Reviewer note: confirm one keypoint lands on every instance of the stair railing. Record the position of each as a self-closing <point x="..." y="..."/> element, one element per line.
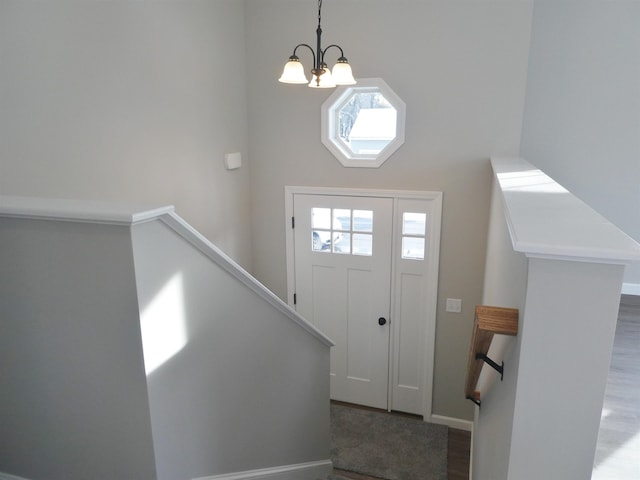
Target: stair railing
<point x="488" y="321"/>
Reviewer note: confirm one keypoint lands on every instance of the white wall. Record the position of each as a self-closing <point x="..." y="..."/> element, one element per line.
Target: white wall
<point x="460" y="66"/>
<point x="73" y="401"/>
<point x="128" y="101"/>
<point x="582" y="115"/>
<point x="135" y="350"/>
<point x="246" y="389"/>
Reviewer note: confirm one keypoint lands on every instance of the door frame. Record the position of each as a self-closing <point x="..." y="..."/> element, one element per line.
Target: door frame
<point x="432" y="256"/>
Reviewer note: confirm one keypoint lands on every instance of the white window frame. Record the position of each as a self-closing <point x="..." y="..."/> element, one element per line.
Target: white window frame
<point x="330" y="123"/>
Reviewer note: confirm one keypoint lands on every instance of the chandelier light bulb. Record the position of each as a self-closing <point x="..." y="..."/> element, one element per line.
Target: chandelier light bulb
<point x="342" y="74"/>
<point x="293" y="71"/>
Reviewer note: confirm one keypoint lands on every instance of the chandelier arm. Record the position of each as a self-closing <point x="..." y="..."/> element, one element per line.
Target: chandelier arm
<point x="333" y="45"/>
<point x="310" y="49"/>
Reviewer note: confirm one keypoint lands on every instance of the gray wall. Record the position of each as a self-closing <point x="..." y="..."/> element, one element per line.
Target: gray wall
<point x="139" y="101"/>
<point x="73" y="396"/>
<point x="248" y="390"/>
<point x="582" y="115"/>
<point x="460" y="66"/>
<point x="128" y="101"/>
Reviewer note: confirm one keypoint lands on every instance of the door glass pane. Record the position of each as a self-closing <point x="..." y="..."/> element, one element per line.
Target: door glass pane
<point x="321" y="218"/>
<point x="342" y="243"/>
<point x="363" y="221"/>
<point x="342" y="219"/>
<point x="321" y="229"/>
<point x="332" y="231"/>
<point x="320" y="240"/>
<point x="362" y="244"/>
<point x="414" y="223"/>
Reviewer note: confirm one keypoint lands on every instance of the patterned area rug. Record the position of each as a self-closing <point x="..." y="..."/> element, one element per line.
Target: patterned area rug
<point x="387" y="446"/>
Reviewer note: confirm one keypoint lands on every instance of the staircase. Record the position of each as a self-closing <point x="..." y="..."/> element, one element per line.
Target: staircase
<point x="133" y="348"/>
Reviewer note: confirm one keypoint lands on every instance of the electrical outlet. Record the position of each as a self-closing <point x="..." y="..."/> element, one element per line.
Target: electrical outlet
<point x="454" y="305"/>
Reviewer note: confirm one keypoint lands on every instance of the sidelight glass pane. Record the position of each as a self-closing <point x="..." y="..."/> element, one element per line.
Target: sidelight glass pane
<point x="413" y="248"/>
<point x="414" y="223"/>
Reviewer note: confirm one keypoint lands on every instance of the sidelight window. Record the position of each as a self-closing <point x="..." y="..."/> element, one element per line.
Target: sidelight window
<point x="414" y="226"/>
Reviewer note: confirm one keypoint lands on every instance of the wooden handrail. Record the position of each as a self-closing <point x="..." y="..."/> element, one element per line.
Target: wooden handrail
<point x="488" y="321"/>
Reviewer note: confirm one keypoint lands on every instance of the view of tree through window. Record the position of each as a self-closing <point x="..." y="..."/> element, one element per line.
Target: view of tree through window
<point x="367" y="122"/>
<point x="363" y="124"/>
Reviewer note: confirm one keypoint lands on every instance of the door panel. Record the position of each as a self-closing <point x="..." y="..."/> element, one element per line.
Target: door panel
<point x="356" y="257"/>
<point x="343" y="286"/>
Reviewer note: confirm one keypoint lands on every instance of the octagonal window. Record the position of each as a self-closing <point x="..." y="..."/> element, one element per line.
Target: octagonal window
<point x="363" y="124"/>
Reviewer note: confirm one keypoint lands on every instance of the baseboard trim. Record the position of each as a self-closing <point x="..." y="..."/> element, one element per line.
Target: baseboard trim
<point x="6" y="476"/>
<point x="300" y="471"/>
<point x="466" y="425"/>
<point x="631" y="288"/>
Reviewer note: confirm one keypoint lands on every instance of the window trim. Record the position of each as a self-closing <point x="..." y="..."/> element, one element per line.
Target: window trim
<point x="329" y="124"/>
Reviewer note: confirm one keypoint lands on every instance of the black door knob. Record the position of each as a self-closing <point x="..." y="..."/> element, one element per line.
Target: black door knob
<point x="382" y="321"/>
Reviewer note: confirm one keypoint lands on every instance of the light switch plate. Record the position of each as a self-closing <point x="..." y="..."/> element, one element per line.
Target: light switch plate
<point x="454" y="305"/>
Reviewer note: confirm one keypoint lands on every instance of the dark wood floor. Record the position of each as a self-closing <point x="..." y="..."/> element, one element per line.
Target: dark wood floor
<point x="459" y="454"/>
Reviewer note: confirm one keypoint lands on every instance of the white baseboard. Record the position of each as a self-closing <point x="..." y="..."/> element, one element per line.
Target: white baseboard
<point x="631" y="288"/>
<point x="300" y="471"/>
<point x="6" y="476"/>
<point x="466" y="425"/>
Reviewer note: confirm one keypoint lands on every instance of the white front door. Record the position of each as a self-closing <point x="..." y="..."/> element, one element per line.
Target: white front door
<point x="362" y="266"/>
<point x="343" y="286"/>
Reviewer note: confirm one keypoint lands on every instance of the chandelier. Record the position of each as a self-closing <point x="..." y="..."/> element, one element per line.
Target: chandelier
<point x="321" y="76"/>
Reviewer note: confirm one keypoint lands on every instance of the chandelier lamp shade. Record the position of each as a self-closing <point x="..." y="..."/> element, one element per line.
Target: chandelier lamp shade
<point x="321" y="76"/>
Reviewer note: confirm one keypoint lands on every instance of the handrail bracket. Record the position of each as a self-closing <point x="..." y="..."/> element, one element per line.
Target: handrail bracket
<point x="488" y="321"/>
<point x="492" y="364"/>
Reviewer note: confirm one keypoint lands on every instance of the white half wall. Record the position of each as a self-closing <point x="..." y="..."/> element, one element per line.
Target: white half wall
<point x="247" y="388"/>
<point x="561" y="264"/>
<point x="73" y="401"/>
<point x="132" y="348"/>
